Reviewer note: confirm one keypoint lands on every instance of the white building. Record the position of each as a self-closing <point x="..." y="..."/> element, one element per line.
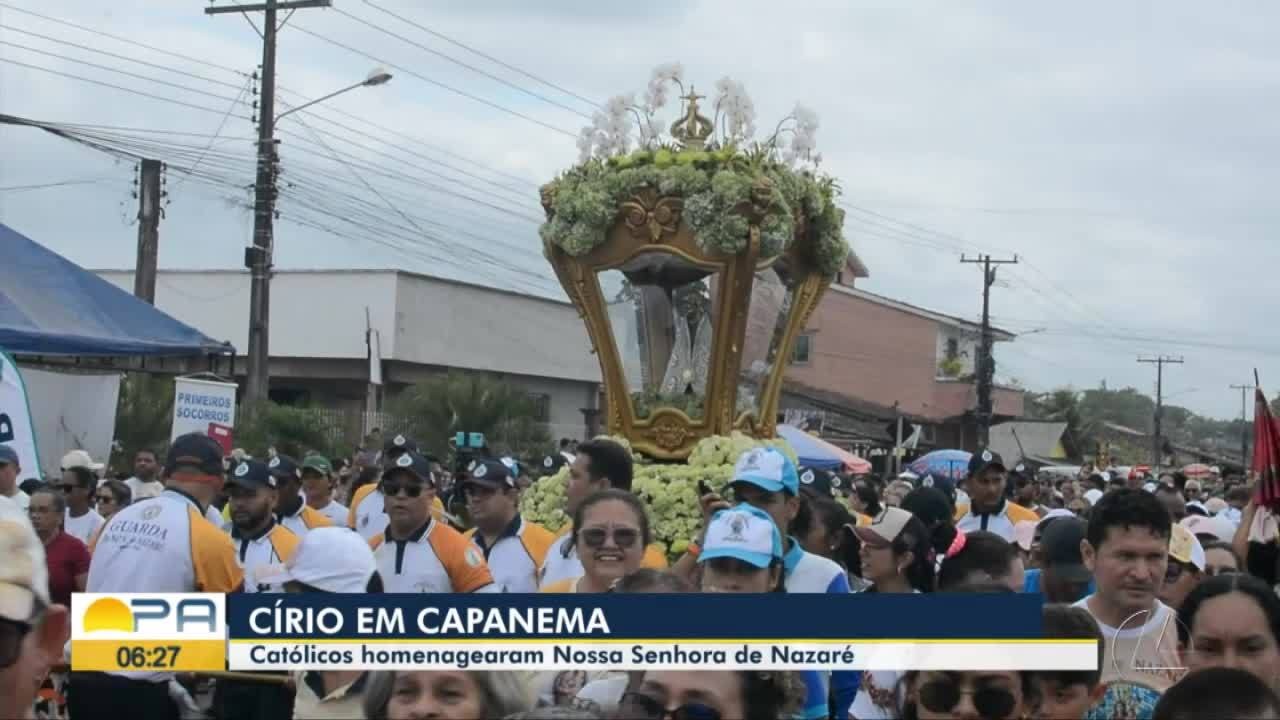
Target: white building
<point x="422" y="325"/>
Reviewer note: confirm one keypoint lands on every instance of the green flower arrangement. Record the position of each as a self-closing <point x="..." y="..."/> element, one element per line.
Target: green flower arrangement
<point x="714" y="176"/>
<point x="670" y="491"/>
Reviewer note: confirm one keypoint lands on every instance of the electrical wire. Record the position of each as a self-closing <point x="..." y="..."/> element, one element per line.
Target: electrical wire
<point x="455" y="61"/>
<point x="437" y="83"/>
<point x="484" y="55"/>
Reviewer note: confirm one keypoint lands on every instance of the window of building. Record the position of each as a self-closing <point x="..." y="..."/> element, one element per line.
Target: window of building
<point x="541" y="406"/>
<point x="803" y="349"/>
<point x="953" y="348"/>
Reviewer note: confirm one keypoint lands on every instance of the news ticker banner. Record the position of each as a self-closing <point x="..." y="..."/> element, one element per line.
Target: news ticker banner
<point x="195" y="632"/>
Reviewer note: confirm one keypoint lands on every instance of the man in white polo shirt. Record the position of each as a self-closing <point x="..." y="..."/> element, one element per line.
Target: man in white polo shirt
<point x="988" y="508"/>
<point x="513" y="546"/>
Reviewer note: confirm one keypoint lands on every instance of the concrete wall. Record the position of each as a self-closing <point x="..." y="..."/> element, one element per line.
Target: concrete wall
<point x="872" y="352"/>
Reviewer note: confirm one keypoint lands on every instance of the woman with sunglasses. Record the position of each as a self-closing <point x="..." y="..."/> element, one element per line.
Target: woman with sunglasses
<point x="896" y="557"/>
<point x="444" y="694"/>
<point x="712" y="695"/>
<point x="1232" y="621"/>
<point x="112" y="496"/>
<point x="986" y="694"/>
<point x="610" y="532"/>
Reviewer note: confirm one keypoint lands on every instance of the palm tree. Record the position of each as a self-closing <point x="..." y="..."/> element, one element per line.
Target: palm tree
<point x="434" y="410"/>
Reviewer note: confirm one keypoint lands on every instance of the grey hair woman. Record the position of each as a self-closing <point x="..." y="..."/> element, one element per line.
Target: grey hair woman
<point x="445" y="694"/>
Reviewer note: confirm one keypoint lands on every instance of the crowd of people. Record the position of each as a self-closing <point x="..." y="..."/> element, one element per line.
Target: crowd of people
<point x="1174" y="579"/>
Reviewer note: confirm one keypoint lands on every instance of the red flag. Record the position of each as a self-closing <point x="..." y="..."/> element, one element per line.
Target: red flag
<point x="1266" y="453"/>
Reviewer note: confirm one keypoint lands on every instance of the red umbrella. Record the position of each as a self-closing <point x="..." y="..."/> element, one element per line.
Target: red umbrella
<point x="1266" y="451"/>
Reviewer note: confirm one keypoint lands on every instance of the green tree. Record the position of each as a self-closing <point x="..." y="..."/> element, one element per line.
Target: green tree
<point x="144" y="416"/>
<point x="1064" y="405"/>
<point x="434" y="410"/>
<point x="292" y="431"/>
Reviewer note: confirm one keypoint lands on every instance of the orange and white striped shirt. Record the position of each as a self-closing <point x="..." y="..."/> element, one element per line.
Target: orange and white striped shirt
<point x="516" y="556"/>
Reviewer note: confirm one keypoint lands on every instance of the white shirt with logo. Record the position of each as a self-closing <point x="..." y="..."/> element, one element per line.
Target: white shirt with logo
<point x="1144" y="651"/>
<point x="336" y="512"/>
<point x="261" y="558"/>
<point x="82" y="528"/>
<point x="371" y="515"/>
<point x="435" y="559"/>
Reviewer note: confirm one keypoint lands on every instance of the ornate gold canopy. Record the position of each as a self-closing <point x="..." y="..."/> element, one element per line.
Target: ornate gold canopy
<point x="653" y="247"/>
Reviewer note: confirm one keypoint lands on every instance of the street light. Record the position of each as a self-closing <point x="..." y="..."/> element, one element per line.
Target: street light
<point x="258" y="256"/>
<point x="377" y="76"/>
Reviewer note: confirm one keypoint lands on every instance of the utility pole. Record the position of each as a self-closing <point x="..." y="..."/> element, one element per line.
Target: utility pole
<point x="1244" y="423"/>
<point x="986" y="360"/>
<point x="149" y="211"/>
<point x="1159" y="361"/>
<point x="258" y="256"/>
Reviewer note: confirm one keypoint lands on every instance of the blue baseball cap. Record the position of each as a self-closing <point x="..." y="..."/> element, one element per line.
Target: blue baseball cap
<point x="8" y="456"/>
<point x="744" y="533"/>
<point x="768" y="470"/>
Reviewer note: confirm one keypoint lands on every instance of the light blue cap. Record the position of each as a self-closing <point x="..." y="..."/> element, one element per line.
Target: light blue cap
<point x="744" y="533"/>
<point x="767" y="469"/>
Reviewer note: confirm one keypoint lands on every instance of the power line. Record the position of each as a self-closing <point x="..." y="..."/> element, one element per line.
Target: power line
<point x="437" y="83"/>
<point x="126" y="58"/>
<point x="484" y="55"/>
<point x="101" y="83"/>
<point x="94" y="31"/>
<point x="42" y="186"/>
<point x="455" y="61"/>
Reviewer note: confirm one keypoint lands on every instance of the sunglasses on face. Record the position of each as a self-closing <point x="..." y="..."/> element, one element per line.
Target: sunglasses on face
<point x="478" y="491"/>
<point x="12" y="633"/>
<point x="941" y="696"/>
<point x="392" y="488"/>
<point x="595" y="537"/>
<point x="643" y="707"/>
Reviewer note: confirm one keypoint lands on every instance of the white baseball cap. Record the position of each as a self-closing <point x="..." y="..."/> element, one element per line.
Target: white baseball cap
<point x="80" y="459"/>
<point x="744" y="533"/>
<point x="767" y="469"/>
<point x="331" y="559"/>
<point x="1218" y="526"/>
<point x="24" y="574"/>
<point x="886" y="527"/>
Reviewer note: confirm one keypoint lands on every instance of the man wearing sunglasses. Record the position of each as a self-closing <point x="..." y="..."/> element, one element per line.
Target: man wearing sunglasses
<point x="417" y="553"/>
<point x="367" y="514"/>
<point x="161" y="545"/>
<point x="81" y="520"/>
<point x="32" y="631"/>
<point x="513" y="547"/>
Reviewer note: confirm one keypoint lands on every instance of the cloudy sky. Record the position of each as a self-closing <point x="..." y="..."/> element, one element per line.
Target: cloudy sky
<point x="1127" y="153"/>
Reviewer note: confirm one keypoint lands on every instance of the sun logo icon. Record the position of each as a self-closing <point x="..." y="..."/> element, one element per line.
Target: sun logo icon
<point x="108" y="614"/>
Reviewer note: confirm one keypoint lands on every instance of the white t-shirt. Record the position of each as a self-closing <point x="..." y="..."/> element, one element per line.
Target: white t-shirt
<point x="1144" y="653"/>
<point x="335" y="511"/>
<point x="19" y="498"/>
<point x="212" y="514"/>
<point x="84" y="527"/>
<point x="142" y="489"/>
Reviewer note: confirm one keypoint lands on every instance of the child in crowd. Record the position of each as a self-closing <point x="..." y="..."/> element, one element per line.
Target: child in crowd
<point x="1068" y="695"/>
<point x="1219" y="693"/>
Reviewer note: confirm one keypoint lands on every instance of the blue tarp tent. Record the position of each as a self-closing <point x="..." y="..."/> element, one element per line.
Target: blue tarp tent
<point x="51" y="306"/>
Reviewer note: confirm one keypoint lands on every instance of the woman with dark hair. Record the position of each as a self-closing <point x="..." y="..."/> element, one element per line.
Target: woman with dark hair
<point x="897" y="558"/>
<point x="865" y="498"/>
<point x="982" y="557"/>
<point x="932" y="507"/>
<point x="1218" y="693"/>
<point x="610" y="533"/>
<point x="1232" y="621"/>
<point x="1220" y="558"/>
<point x="710" y="694"/>
<point x="819" y="530"/>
